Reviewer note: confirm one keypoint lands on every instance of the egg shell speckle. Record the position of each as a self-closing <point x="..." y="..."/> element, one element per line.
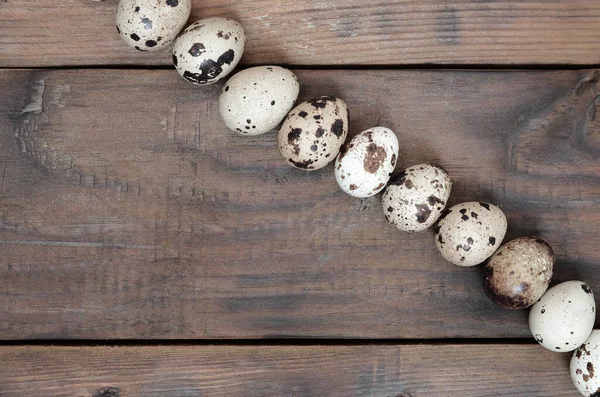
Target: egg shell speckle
<point x="585" y="366"/>
<point x="313" y="133"/>
<point x="518" y="274"/>
<point x="256" y="100"/>
<point x="365" y="164"/>
<point x="415" y="198"/>
<point x="564" y="317"/>
<point x="208" y="50"/>
<point x="469" y="233"/>
<point x="150" y="25"/>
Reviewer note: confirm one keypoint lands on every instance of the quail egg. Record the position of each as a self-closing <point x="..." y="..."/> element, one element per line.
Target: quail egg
<point x="313" y="133"/>
<point x="416" y="197"/>
<point x="469" y="233"/>
<point x="365" y="164"/>
<point x="208" y="50"/>
<point x="256" y="100"/>
<point x="584" y="364"/>
<point x="149" y="25"/>
<point x="518" y="274"/>
<point x="564" y="317"/>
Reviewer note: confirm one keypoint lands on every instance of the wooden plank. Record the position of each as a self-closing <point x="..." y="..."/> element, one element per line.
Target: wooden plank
<point x="181" y="371"/>
<point x="129" y="211"/>
<point x="308" y="32"/>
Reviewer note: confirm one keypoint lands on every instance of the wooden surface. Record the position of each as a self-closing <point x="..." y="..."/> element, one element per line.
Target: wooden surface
<point x="129" y="211"/>
<point x="320" y="32"/>
<point x="381" y="371"/>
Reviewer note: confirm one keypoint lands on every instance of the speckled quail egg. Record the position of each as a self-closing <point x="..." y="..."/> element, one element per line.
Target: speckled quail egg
<point x="313" y="133"/>
<point x="256" y="100"/>
<point x="519" y="273"/>
<point x="469" y="233"/>
<point x="584" y="366"/>
<point x="149" y="25"/>
<point x="365" y="164"/>
<point x="564" y="317"/>
<point x="208" y="50"/>
<point x="416" y="197"/>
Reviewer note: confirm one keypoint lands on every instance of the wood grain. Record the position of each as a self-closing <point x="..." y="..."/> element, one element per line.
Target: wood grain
<point x="182" y="371"/>
<point x="128" y="210"/>
<point x="319" y="32"/>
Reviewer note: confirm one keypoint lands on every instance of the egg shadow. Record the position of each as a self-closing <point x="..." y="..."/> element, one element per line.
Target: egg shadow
<point x="520" y="223"/>
<point x="260" y="56"/>
<point x="313" y="85"/>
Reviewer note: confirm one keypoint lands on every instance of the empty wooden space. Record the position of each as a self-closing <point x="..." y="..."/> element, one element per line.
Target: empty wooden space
<point x="387" y="370"/>
<point x="129" y="213"/>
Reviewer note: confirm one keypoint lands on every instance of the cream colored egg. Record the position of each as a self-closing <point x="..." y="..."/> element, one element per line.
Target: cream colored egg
<point x="208" y="50"/>
<point x="149" y="25"/>
<point x="416" y="197"/>
<point x="313" y="133"/>
<point x="365" y="164"/>
<point x="564" y="317"/>
<point x="256" y="100"/>
<point x="585" y="366"/>
<point x="469" y="233"/>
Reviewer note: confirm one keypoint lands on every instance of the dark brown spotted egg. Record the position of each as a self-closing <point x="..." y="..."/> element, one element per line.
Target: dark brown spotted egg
<point x="416" y="197"/>
<point x="518" y="274"/>
<point x="149" y="25"/>
<point x="313" y="133"/>
<point x="208" y="50"/>
<point x="256" y="100"/>
<point x="365" y="164"/>
<point x="585" y="366"/>
<point x="469" y="233"/>
<point x="564" y="316"/>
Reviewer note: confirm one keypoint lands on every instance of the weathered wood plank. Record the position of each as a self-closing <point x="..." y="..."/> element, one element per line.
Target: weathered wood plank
<point x="307" y="32"/>
<point x="129" y="211"/>
<point x="178" y="371"/>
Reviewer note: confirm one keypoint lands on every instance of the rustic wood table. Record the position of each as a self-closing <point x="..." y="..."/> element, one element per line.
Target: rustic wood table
<point x="146" y="251"/>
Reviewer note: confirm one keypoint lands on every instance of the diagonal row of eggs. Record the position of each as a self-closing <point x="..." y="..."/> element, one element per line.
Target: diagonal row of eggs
<point x="257" y="100"/>
<point x="517" y="274"/>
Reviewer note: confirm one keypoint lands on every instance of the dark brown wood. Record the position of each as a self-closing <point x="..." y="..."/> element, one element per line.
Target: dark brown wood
<point x="181" y="371"/>
<point x="129" y="211"/>
<point x="337" y="32"/>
